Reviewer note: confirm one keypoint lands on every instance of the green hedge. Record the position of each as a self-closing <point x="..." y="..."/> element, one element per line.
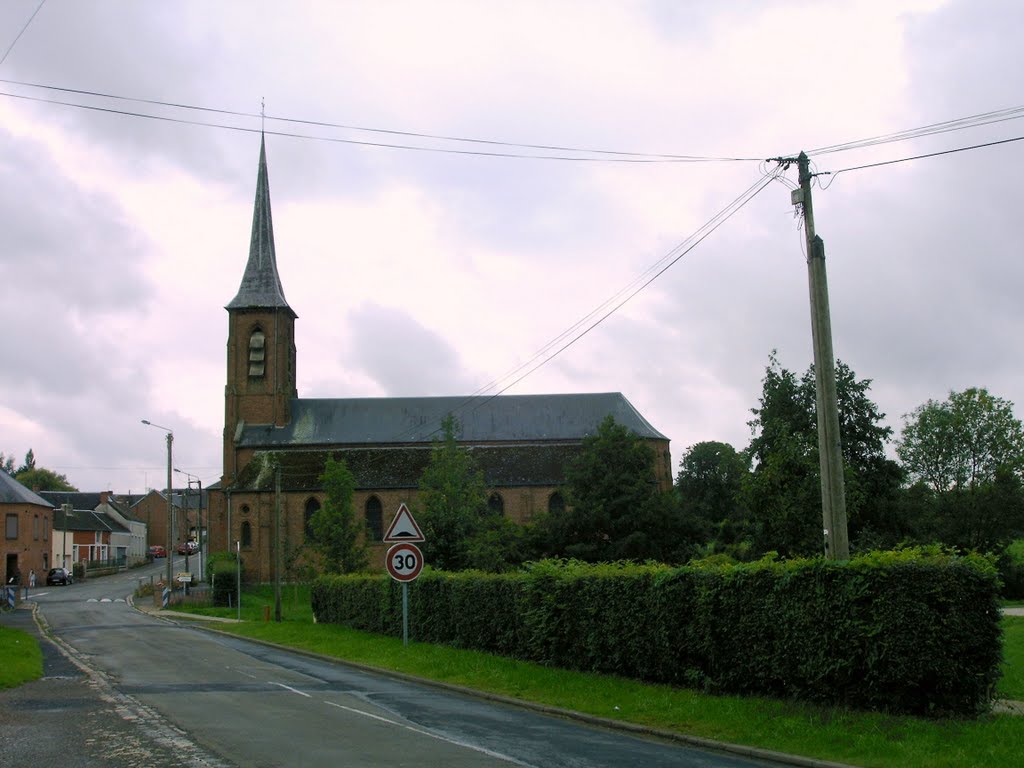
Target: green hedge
<point x="914" y="631"/>
<point x="1011" y="570"/>
<point x="222" y="572"/>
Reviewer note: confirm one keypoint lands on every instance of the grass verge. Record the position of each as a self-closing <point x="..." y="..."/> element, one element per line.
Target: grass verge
<point x="20" y="658"/>
<point x="831" y="733"/>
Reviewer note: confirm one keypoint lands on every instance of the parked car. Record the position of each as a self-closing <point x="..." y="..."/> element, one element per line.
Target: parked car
<point x="156" y="551"/>
<point x="187" y="548"/>
<point x="59" y="576"/>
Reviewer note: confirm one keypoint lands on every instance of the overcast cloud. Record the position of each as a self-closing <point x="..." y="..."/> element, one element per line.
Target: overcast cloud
<point x="419" y="273"/>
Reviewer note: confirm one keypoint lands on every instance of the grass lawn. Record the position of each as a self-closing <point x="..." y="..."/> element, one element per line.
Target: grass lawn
<point x="20" y="658"/>
<point x="831" y="733"/>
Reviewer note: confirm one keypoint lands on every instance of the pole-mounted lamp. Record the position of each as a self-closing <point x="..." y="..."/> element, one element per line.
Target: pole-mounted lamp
<point x="170" y="503"/>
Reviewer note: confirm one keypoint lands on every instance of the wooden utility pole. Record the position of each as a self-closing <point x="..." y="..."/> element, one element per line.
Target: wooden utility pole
<point x="830" y="454"/>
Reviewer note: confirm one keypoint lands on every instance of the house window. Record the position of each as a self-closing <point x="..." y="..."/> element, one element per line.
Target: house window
<point x="496" y="504"/>
<point x="374" y="519"/>
<point x="312" y="507"/>
<point x="246" y="534"/>
<point x="35" y="527"/>
<point x="46" y="529"/>
<point x="12" y="526"/>
<point x="556" y="503"/>
<point x="257" y="354"/>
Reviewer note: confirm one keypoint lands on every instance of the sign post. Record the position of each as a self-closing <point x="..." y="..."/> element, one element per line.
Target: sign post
<point x="404" y="560"/>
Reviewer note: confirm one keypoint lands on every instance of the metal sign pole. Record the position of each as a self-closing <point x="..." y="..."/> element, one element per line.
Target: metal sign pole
<point x="405" y="613"/>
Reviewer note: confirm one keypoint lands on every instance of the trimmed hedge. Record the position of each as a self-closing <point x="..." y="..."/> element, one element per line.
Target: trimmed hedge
<point x="912" y="631"/>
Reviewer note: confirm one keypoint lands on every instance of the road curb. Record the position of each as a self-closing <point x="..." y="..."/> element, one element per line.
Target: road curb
<point x="711" y="745"/>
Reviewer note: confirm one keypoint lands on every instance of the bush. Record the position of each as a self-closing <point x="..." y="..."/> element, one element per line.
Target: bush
<point x="1011" y="570"/>
<point x="914" y="631"/>
<point x="222" y="571"/>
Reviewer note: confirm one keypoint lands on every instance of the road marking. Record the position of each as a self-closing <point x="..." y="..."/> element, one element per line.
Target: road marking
<point x="293" y="690"/>
<point x="438" y="736"/>
<point x="106" y="600"/>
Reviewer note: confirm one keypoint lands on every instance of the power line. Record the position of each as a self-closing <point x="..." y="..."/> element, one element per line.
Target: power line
<point x="606" y="155"/>
<point x="18" y="36"/>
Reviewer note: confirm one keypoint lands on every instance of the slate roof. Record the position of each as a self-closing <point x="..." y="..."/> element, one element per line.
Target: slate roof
<point x="13" y="492"/>
<point x="401" y="467"/>
<point x="86" y="520"/>
<point x="261" y="285"/>
<point x="412" y="420"/>
<point x="83" y="500"/>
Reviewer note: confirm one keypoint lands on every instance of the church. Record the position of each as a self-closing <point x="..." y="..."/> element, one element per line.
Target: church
<point x="276" y="444"/>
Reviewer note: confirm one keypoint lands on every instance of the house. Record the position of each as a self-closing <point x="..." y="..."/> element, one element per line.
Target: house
<point x="129" y="546"/>
<point x="83" y="535"/>
<point x="27" y="520"/>
<point x="151" y="509"/>
<point x="275" y="439"/>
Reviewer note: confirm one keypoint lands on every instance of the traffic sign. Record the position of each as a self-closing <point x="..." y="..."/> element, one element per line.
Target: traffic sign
<point x="404" y="561"/>
<point x="403" y="527"/>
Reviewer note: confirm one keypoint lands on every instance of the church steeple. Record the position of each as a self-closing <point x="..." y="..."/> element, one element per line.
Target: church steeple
<point x="261" y="284"/>
<point x="261" y="337"/>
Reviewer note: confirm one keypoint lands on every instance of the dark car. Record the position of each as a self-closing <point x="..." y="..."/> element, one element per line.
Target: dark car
<point x="59" y="576"/>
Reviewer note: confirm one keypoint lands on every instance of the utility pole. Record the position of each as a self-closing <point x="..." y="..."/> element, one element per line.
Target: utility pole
<point x="64" y="549"/>
<point x="277" y="544"/>
<point x="830" y="454"/>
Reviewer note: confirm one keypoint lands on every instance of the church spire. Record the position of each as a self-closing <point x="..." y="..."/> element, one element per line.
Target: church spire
<point x="261" y="284"/>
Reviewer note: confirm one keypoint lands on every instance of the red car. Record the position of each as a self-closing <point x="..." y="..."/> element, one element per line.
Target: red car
<point x="156" y="551"/>
<point x="187" y="548"/>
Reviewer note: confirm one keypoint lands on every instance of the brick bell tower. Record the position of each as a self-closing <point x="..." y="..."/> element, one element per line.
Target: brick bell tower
<point x="261" y="337"/>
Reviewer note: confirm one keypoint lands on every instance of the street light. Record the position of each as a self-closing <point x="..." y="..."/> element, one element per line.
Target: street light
<point x="170" y="507"/>
<point x="199" y="520"/>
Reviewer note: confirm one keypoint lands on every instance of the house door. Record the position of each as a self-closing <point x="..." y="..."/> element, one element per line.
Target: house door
<point x="12" y="569"/>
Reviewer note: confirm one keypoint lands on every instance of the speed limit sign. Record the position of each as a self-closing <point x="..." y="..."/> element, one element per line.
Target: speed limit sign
<point x="404" y="561"/>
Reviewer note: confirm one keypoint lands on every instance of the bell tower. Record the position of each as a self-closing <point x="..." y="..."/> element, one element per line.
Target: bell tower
<point x="261" y="337"/>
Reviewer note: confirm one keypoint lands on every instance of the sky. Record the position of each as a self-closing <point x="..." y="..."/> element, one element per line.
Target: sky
<point x="422" y="272"/>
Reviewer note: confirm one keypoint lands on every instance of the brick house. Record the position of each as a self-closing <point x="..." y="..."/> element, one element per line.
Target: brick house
<point x="28" y="520"/>
<point x="129" y="543"/>
<point x="86" y="534"/>
<point x="521" y="442"/>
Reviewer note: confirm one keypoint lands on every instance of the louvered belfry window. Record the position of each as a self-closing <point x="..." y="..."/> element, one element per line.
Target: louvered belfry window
<point x="257" y="354"/>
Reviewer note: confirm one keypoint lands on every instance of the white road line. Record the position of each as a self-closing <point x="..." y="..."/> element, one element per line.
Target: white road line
<point x="439" y="737"/>
<point x="293" y="690"/>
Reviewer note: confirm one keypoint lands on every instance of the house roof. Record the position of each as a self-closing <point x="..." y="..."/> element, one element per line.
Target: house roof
<point x="86" y="520"/>
<point x="412" y="420"/>
<point x="84" y="500"/>
<point x="261" y="285"/>
<point x="13" y="492"/>
<point x="402" y="467"/>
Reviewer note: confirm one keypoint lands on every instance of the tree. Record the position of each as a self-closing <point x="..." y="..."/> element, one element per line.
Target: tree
<point x="30" y="461"/>
<point x="966" y="455"/>
<point x="44" y="480"/>
<point x="452" y="501"/>
<point x="337" y="534"/>
<point x="962" y="442"/>
<point x="616" y="510"/>
<point x="783" y="492"/>
<point x="7" y="464"/>
<point x="710" y="487"/>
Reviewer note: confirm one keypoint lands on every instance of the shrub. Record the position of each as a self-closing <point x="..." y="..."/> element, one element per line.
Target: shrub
<point x="222" y="571"/>
<point x="913" y="631"/>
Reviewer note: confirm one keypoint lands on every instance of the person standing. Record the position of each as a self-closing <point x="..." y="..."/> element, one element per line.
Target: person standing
<point x="32" y="578"/>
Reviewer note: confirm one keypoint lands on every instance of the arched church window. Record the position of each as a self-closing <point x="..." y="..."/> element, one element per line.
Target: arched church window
<point x="496" y="504"/>
<point x="374" y="519"/>
<point x="246" y="534"/>
<point x="312" y="507"/>
<point x="257" y="354"/>
<point x="556" y="503"/>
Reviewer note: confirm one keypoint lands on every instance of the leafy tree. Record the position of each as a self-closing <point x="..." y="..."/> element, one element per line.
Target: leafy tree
<point x="452" y="501"/>
<point x="7" y="464"/>
<point x="337" y="534"/>
<point x="44" y="480"/>
<point x="30" y="461"/>
<point x="966" y="455"/>
<point x="615" y="508"/>
<point x="962" y="442"/>
<point x="783" y="492"/>
<point x="710" y="487"/>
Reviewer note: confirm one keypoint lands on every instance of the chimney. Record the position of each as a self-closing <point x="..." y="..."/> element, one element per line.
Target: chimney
<point x="104" y="497"/>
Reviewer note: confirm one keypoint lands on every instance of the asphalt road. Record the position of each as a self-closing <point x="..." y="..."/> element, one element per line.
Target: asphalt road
<point x="125" y="688"/>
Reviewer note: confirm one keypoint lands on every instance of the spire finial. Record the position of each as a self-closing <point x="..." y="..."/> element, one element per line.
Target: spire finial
<point x="263" y="114"/>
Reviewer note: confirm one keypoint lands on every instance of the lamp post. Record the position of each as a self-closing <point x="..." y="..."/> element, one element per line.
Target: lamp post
<point x="170" y="503"/>
<point x="199" y="514"/>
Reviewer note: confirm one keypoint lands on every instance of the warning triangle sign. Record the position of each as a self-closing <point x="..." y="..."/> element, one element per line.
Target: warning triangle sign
<point x="403" y="527"/>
